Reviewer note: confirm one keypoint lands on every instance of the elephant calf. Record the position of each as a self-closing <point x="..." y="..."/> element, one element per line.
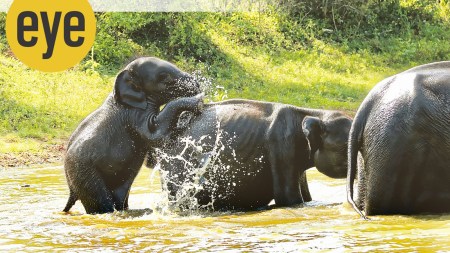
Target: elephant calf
<point x="402" y="130"/>
<point x="107" y="149"/>
<point x="247" y="153"/>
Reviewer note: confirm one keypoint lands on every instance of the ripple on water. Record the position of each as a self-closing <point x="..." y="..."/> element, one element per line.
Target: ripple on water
<point x="30" y="220"/>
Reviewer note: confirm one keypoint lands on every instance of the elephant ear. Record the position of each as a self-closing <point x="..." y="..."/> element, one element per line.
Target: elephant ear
<point x="313" y="129"/>
<point x="127" y="93"/>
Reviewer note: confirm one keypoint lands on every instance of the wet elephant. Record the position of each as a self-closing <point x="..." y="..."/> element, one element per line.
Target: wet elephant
<point x="106" y="151"/>
<point x="241" y="154"/>
<point x="402" y="131"/>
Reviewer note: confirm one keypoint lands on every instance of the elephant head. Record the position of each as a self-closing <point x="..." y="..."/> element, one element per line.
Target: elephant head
<point x="152" y="80"/>
<point x="327" y="140"/>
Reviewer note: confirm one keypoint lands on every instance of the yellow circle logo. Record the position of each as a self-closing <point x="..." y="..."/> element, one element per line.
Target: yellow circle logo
<point x="50" y="35"/>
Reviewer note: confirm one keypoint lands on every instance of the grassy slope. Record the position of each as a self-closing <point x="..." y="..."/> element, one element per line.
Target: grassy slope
<point x="41" y="108"/>
<point x="322" y="76"/>
<point x="38" y="109"/>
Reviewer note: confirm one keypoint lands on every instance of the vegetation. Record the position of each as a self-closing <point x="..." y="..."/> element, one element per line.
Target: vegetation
<point x="325" y="56"/>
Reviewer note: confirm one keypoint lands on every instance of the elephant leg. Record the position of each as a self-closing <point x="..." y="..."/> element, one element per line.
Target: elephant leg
<point x="71" y="201"/>
<point x="91" y="189"/>
<point x="125" y="203"/>
<point x="304" y="189"/>
<point x="285" y="176"/>
<point x="121" y="194"/>
<point x="98" y="199"/>
<point x="385" y="188"/>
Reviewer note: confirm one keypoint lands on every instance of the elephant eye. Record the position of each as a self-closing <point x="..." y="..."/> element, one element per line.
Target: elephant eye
<point x="162" y="75"/>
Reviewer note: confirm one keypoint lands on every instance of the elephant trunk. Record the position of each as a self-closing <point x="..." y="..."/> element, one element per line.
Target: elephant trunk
<point x="159" y="126"/>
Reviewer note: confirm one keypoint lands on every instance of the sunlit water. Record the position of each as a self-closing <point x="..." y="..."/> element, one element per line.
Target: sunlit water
<point x="30" y="220"/>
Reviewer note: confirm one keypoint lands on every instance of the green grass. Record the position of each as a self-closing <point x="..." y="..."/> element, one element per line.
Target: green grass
<point x="261" y="56"/>
<point x="320" y="77"/>
<point x="12" y="143"/>
<point x="39" y="107"/>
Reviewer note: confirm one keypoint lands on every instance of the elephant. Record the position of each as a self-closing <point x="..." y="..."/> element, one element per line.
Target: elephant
<point x="242" y="154"/>
<point x="402" y="133"/>
<point x="107" y="149"/>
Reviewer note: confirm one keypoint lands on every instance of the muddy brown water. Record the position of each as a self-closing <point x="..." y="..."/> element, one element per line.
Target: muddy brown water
<point x="31" y="221"/>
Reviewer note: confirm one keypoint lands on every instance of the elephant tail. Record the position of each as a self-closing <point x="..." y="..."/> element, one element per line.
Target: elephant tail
<point x="353" y="148"/>
<point x="71" y="201"/>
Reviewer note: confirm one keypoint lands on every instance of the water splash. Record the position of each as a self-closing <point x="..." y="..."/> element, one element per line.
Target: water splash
<point x="184" y="201"/>
<point x="200" y="171"/>
<point x="206" y="170"/>
<point x="213" y="92"/>
<point x="197" y="162"/>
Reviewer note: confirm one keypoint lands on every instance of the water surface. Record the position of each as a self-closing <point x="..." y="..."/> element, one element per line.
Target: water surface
<point x="30" y="220"/>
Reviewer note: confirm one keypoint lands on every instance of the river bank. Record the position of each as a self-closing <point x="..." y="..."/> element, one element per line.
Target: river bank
<point x="49" y="154"/>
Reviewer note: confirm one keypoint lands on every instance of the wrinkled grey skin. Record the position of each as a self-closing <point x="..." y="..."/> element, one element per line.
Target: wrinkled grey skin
<point x="402" y="130"/>
<point x="107" y="149"/>
<point x="267" y="147"/>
